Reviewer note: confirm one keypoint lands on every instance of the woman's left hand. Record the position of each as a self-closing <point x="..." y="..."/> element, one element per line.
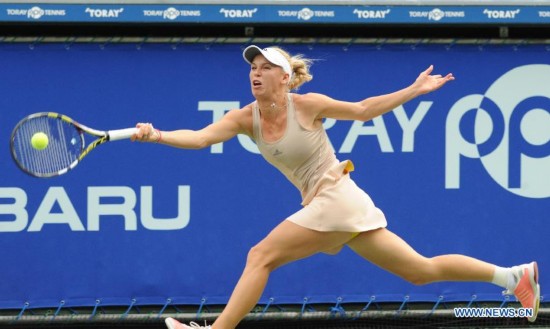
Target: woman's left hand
<point x="427" y="83"/>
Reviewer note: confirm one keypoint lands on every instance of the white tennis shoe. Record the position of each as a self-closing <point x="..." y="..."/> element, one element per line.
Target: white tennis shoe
<point x="527" y="290"/>
<point x="172" y="323"/>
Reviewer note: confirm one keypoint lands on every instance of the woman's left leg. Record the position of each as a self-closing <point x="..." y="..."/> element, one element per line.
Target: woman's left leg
<point x="388" y="251"/>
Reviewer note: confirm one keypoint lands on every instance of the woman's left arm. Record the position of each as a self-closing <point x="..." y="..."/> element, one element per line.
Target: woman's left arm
<point x="374" y="106"/>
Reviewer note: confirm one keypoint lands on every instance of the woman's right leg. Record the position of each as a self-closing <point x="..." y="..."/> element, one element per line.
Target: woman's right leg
<point x="286" y="243"/>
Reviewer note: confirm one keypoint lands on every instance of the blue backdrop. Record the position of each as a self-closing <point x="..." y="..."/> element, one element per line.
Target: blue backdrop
<point x="463" y="170"/>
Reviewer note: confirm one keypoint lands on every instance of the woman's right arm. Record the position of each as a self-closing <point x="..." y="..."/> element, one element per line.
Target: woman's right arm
<point x="231" y="124"/>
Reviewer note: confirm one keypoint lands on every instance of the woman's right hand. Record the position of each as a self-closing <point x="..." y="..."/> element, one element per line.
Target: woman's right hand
<point x="146" y="133"/>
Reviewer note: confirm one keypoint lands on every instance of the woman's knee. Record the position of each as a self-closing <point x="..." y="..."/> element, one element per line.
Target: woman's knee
<point x="262" y="256"/>
<point x="422" y="274"/>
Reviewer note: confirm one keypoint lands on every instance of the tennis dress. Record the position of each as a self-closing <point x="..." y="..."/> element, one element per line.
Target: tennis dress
<point x="330" y="198"/>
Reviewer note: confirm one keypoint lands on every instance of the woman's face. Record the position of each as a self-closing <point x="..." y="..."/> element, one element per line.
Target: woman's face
<point x="266" y="78"/>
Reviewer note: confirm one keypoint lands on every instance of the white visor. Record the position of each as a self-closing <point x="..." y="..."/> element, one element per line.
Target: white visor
<point x="272" y="55"/>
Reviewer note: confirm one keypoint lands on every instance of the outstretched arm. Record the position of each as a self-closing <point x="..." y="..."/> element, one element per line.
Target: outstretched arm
<point x="226" y="128"/>
<point x="374" y="106"/>
<point x="425" y="83"/>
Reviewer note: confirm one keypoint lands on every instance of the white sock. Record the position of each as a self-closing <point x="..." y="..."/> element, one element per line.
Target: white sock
<point x="501" y="276"/>
<point x="504" y="277"/>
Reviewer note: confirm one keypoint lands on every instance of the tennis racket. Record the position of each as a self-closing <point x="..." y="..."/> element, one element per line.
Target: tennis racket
<point x="64" y="140"/>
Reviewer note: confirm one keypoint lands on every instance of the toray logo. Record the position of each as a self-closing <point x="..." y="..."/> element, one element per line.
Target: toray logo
<point x="501" y="14"/>
<point x="103" y="13"/>
<point x="35" y="13"/>
<point x="238" y="13"/>
<point x="171" y="13"/>
<point x="306" y="14"/>
<point x="508" y="129"/>
<point x="371" y="14"/>
<point x="436" y="14"/>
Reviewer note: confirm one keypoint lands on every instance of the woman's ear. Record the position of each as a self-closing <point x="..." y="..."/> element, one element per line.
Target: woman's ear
<point x="286" y="79"/>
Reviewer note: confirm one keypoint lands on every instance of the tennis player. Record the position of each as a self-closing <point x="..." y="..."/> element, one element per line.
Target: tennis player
<point x="287" y="128"/>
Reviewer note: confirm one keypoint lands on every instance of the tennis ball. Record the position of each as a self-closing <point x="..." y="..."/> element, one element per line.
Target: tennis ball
<point x="39" y="141"/>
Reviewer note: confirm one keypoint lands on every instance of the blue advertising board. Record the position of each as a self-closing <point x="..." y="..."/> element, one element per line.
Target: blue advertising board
<point x="285" y="13"/>
<point x="465" y="169"/>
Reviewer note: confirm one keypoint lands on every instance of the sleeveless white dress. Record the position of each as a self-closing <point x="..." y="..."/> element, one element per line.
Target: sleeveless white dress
<point x="331" y="199"/>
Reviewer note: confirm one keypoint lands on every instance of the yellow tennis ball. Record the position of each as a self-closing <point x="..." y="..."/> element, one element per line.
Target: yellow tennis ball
<point x="39" y="141"/>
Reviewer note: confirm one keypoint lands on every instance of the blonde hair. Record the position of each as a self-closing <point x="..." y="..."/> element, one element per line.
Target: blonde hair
<point x="300" y="68"/>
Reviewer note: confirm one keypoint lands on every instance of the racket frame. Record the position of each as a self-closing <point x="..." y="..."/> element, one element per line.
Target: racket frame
<point x="102" y="137"/>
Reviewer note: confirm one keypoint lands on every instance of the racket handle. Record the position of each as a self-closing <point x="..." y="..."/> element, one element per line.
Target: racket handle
<point x="115" y="135"/>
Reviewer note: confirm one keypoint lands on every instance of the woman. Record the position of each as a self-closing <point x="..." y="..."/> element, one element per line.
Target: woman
<point x="287" y="128"/>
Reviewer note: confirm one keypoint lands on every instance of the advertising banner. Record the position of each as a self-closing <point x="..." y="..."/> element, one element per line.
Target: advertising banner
<point x="280" y="13"/>
<point x="464" y="170"/>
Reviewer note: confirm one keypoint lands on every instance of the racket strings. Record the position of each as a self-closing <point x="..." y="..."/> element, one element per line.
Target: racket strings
<point x="64" y="146"/>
